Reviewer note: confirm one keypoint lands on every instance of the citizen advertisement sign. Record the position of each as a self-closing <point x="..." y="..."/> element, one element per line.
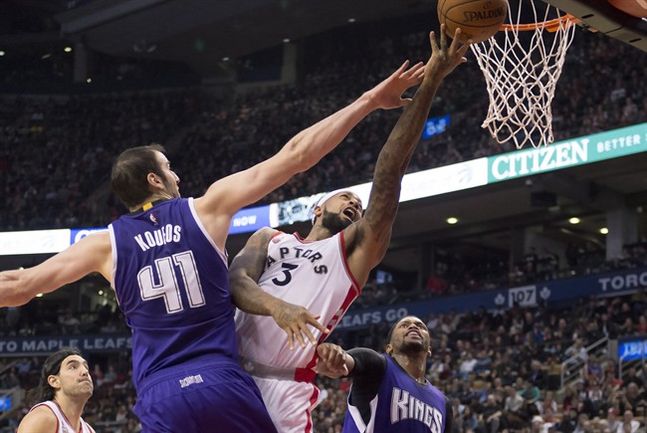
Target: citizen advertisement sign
<point x="568" y="153"/>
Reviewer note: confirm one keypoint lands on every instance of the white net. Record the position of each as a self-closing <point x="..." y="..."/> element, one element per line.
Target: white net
<point x="521" y="70"/>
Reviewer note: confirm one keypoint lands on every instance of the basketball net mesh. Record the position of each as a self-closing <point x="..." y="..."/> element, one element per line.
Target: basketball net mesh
<point x="521" y="70"/>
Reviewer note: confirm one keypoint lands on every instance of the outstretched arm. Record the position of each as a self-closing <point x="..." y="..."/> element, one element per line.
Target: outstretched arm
<point x="245" y="271"/>
<point x="91" y="254"/>
<point x="303" y="151"/>
<point x="333" y="361"/>
<point x="368" y="239"/>
<point x="365" y="365"/>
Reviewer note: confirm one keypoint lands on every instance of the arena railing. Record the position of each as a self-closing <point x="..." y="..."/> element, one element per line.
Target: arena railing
<point x="573" y="368"/>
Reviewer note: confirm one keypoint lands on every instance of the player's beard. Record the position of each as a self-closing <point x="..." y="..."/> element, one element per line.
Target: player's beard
<point x="413" y="347"/>
<point x="171" y="188"/>
<point x="334" y="222"/>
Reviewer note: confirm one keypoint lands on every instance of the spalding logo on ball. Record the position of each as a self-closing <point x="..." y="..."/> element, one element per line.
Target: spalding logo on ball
<point x="478" y="19"/>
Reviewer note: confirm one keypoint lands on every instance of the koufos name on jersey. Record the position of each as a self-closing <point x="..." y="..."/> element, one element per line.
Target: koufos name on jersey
<point x="402" y="405"/>
<point x="157" y="238"/>
<point x="172" y="285"/>
<point x="312" y="274"/>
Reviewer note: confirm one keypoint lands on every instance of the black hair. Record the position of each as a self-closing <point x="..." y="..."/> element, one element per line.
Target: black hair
<point x="390" y="334"/>
<point x="130" y="171"/>
<point x="52" y="366"/>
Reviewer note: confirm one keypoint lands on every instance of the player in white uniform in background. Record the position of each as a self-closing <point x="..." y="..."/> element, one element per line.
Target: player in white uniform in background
<point x="325" y="271"/>
<point x="64" y="388"/>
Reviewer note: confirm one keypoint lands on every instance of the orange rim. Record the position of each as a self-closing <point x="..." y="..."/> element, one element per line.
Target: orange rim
<point x="550" y="25"/>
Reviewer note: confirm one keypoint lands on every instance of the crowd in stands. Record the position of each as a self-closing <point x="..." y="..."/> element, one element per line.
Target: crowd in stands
<point x="502" y="370"/>
<point x="343" y="67"/>
<point x="42" y="318"/>
<point x="454" y="274"/>
<point x="56" y="151"/>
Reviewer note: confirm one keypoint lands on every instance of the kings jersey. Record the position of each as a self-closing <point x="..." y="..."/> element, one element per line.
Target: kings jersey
<point x="171" y="284"/>
<point x="402" y="405"/>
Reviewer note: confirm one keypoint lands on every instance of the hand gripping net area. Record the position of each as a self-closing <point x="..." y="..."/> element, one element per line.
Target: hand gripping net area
<point x="522" y="64"/>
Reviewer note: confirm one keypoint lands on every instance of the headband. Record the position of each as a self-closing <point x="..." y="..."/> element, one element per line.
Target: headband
<point x="323" y="199"/>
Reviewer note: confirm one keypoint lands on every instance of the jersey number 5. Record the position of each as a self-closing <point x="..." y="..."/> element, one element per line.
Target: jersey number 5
<point x="167" y="286"/>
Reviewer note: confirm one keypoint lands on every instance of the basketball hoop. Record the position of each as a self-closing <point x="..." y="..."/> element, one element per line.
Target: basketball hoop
<point x="521" y="65"/>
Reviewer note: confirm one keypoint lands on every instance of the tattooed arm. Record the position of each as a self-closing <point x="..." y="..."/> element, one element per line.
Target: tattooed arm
<point x="244" y="272"/>
<point x="368" y="239"/>
<point x="246" y="269"/>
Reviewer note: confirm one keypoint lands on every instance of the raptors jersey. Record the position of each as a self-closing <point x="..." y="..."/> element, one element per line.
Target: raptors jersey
<point x="64" y="426"/>
<point x="402" y="405"/>
<point x="314" y="275"/>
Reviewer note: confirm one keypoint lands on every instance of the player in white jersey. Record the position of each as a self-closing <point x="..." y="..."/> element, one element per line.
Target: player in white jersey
<point x="64" y="389"/>
<point x="325" y="271"/>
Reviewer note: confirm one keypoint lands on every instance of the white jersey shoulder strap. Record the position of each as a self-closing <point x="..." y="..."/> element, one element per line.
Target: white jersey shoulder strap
<point x="63" y="425"/>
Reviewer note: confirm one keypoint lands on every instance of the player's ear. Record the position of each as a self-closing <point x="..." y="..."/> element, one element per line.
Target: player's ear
<point x="154" y="180"/>
<point x="54" y="381"/>
<point x="318" y="211"/>
<point x="389" y="349"/>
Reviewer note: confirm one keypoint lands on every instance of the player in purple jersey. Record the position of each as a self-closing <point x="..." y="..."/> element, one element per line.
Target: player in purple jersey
<point x="166" y="262"/>
<point x="390" y="392"/>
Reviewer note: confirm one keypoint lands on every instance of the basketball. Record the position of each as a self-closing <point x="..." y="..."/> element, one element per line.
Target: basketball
<point x="478" y="19"/>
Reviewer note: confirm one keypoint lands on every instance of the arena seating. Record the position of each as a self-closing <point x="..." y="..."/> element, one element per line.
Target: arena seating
<point x="84" y="133"/>
<point x="217" y="136"/>
<point x="517" y="352"/>
<point x="501" y="369"/>
<point x="511" y="373"/>
<point x="458" y="276"/>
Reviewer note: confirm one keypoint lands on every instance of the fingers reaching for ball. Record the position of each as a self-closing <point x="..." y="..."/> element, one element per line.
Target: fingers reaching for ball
<point x="458" y="46"/>
<point x="443" y="58"/>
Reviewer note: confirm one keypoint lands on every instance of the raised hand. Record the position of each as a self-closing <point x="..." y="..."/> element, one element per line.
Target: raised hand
<point x="294" y="320"/>
<point x="444" y="60"/>
<point x="388" y="94"/>
<point x="331" y="361"/>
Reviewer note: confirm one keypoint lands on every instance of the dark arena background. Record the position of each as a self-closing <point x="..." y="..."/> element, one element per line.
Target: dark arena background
<point x="528" y="266"/>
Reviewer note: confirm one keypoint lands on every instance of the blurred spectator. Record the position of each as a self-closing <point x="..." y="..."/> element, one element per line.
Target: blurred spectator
<point x="210" y="135"/>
